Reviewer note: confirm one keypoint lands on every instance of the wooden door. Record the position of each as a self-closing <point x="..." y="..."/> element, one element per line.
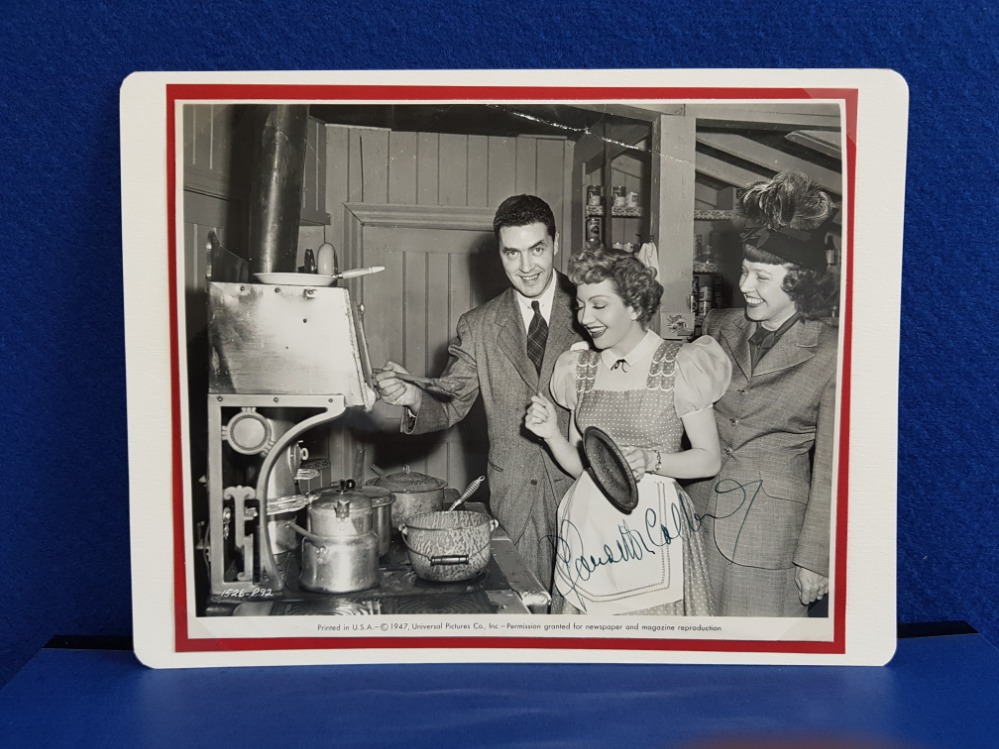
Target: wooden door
<point x="440" y="262"/>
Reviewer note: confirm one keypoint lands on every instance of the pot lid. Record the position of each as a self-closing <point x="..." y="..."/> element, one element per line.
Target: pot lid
<point x="333" y="498"/>
<point x="356" y="502"/>
<point x="291" y="503"/>
<point x="378" y="495"/>
<point x="408" y="481"/>
<point x="610" y="469"/>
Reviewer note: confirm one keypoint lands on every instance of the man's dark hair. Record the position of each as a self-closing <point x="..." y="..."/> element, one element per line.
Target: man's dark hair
<point x="524" y="210"/>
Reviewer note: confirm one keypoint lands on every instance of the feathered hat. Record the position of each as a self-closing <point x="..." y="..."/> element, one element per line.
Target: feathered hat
<point x="788" y="216"/>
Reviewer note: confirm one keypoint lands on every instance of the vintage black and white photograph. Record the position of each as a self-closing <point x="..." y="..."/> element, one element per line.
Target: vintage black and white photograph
<point x="560" y="369"/>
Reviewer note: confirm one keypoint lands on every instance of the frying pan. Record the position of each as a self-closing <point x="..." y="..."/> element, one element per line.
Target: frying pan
<point x="610" y="470"/>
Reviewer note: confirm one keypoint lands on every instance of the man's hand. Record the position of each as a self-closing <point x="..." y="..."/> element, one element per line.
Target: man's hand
<point x="811" y="585"/>
<point x="394" y="391"/>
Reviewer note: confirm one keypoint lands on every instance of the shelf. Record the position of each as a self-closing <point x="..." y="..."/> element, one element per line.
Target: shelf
<point x="616" y="211"/>
<point x="713" y="215"/>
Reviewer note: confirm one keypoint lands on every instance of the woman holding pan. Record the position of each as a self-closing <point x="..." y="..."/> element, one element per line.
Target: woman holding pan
<point x="645" y="393"/>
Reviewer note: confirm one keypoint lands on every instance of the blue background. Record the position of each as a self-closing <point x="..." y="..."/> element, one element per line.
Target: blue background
<point x="64" y="498"/>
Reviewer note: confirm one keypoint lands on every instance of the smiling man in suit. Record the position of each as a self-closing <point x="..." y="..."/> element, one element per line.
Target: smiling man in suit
<point x="504" y="351"/>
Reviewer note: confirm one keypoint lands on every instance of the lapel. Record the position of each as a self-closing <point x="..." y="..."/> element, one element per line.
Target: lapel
<point x="561" y="330"/>
<point x="797" y="345"/>
<point x="512" y="338"/>
<point x="736" y="337"/>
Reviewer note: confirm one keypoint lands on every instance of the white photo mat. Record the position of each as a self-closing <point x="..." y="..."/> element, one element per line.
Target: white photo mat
<point x="860" y="628"/>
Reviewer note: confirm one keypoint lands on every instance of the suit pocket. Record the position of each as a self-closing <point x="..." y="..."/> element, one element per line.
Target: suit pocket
<point x="785" y="486"/>
<point x="755" y="528"/>
<point x="495" y="467"/>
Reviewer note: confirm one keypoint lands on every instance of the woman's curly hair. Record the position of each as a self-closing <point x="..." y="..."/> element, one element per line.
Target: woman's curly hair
<point x="635" y="283"/>
<point x="792" y="200"/>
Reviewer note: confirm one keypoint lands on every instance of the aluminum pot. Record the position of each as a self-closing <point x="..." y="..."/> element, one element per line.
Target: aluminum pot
<point x="282" y="514"/>
<point x="340" y="549"/>
<point x="448" y="547"/>
<point x="381" y="508"/>
<point x="414" y="493"/>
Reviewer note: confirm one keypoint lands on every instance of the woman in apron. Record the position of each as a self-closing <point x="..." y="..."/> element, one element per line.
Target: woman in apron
<point x="646" y="393"/>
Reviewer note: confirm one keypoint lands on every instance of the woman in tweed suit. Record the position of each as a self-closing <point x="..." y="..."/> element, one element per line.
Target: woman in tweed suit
<point x="766" y="514"/>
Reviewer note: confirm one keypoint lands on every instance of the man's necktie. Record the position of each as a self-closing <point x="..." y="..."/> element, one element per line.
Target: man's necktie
<point x="537" y="337"/>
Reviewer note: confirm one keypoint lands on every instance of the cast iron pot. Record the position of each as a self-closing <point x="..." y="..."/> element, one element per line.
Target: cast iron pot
<point x="447" y="547"/>
<point x="340" y="549"/>
<point x="414" y="493"/>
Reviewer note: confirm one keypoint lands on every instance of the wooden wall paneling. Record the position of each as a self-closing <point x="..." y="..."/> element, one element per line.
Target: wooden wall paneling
<point x="527" y="165"/>
<point x="414" y="330"/>
<point x="223" y="130"/>
<point x="438" y="311"/>
<point x="439" y="329"/>
<point x="383" y="298"/>
<point x="577" y="194"/>
<point x="188" y="116"/>
<point x="427" y="168"/>
<point x="310" y="177"/>
<point x="437" y="463"/>
<point x="478" y="171"/>
<point x="203" y="120"/>
<point x="337" y="165"/>
<point x="374" y="166"/>
<point x="453" y="170"/>
<point x="460" y="285"/>
<point x="402" y="168"/>
<point x="672" y="208"/>
<point x="355" y="187"/>
<point x="571" y="191"/>
<point x="502" y="170"/>
<point x="550" y="180"/>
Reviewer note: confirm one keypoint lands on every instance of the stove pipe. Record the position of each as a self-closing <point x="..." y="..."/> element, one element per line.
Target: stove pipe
<point x="276" y="189"/>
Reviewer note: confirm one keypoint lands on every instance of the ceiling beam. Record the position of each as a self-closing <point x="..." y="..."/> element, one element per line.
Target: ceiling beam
<point x="826" y="143"/>
<point x="645" y="112"/>
<point x="768" y="116"/>
<point x="762" y="155"/>
<point x="602" y="146"/>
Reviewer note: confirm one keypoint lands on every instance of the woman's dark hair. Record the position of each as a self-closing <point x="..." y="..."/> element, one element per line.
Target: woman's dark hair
<point x="524" y="210"/>
<point x="814" y="293"/>
<point x="635" y="283"/>
<point x="791" y="200"/>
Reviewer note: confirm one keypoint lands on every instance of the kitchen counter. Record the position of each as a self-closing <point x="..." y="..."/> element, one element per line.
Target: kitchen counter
<point x="507" y="586"/>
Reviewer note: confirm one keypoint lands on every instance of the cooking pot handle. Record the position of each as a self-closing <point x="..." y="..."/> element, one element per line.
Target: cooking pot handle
<point x="449" y="559"/>
<point x="318" y="542"/>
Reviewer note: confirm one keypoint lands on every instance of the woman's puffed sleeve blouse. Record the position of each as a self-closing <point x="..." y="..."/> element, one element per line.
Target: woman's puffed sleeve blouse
<point x="703" y="374"/>
<point x="563" y="384"/>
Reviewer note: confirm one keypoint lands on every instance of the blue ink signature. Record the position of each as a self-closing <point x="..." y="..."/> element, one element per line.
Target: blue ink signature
<point x="633" y="544"/>
<point x="630" y="545"/>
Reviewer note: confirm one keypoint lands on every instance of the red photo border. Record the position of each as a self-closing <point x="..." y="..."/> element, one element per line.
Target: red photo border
<point x="416" y="94"/>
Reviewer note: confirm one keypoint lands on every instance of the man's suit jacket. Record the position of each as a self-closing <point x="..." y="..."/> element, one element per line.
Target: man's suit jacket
<point x="770" y="502"/>
<point x="489" y="356"/>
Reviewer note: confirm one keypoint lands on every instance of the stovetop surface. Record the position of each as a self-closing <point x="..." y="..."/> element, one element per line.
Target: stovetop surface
<point x="399" y="591"/>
